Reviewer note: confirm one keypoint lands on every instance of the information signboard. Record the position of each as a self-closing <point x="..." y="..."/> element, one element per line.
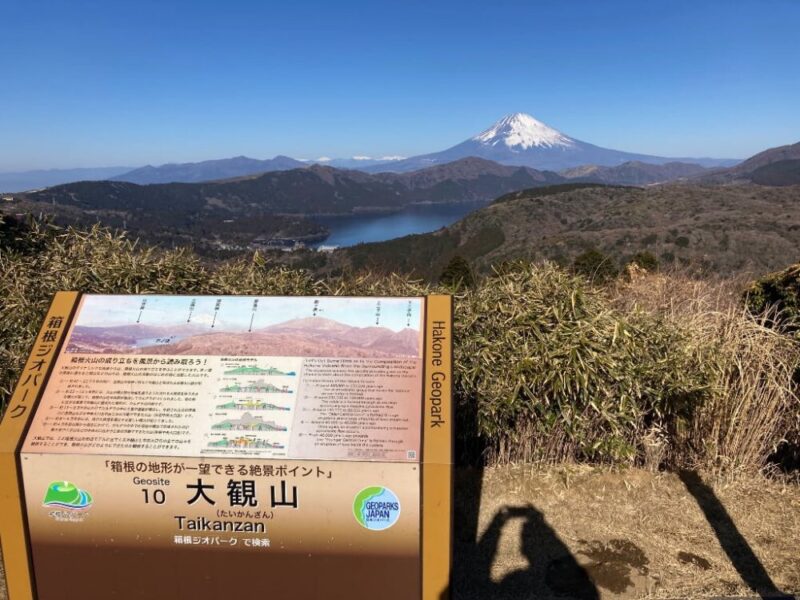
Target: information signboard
<point x="207" y="447"/>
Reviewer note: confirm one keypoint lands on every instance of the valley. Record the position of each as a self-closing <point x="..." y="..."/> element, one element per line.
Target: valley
<point x="273" y="209"/>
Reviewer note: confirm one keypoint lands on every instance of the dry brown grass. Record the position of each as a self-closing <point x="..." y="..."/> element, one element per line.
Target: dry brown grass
<point x="752" y="402"/>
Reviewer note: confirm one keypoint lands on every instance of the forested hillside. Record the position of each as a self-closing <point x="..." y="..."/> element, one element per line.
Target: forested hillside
<point x="723" y="229"/>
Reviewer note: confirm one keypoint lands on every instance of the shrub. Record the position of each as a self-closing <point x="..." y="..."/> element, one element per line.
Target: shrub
<point x="457" y="274"/>
<point x="650" y="239"/>
<point x="22" y="234"/>
<point x="554" y="372"/>
<point x="777" y="296"/>
<point x="595" y="265"/>
<point x="644" y="260"/>
<point x="779" y="293"/>
<point x="752" y="402"/>
<point x="749" y="407"/>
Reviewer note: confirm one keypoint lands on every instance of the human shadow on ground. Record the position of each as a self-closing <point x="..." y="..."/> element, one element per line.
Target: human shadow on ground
<point x="739" y="552"/>
<point x="552" y="570"/>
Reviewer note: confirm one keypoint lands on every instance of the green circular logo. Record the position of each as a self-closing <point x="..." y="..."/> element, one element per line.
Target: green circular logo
<point x="376" y="508"/>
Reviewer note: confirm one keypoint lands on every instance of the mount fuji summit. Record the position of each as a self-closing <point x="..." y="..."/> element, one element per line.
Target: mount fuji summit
<point x="519" y="139"/>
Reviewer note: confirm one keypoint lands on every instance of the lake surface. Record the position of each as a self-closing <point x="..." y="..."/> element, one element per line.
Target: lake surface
<point x="421" y="218"/>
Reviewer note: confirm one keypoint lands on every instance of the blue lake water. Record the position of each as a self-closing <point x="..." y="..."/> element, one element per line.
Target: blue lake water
<point x="421" y="218"/>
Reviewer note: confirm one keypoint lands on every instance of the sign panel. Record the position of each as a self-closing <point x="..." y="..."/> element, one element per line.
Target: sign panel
<point x="190" y="528"/>
<point x="191" y="447"/>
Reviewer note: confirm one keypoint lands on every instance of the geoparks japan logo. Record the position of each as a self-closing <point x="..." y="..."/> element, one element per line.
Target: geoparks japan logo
<point x="376" y="508"/>
<point x="63" y="494"/>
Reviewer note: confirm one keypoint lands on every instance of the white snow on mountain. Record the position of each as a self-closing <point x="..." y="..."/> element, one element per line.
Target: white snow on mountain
<point x="352" y="160"/>
<point x="380" y="158"/>
<point x="522" y="131"/>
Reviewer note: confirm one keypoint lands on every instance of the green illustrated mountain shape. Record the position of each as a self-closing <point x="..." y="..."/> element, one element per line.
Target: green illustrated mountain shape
<point x="257" y="371"/>
<point x="361" y="499"/>
<point x="66" y="495"/>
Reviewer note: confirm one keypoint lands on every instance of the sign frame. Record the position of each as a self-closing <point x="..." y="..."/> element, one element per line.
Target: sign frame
<point x="435" y="464"/>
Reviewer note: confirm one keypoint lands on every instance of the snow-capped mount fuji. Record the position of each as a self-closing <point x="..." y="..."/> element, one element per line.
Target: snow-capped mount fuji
<point x="521" y="132"/>
<point x="521" y="140"/>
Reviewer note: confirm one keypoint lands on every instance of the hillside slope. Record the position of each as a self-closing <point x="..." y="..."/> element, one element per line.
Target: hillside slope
<point x="727" y="229"/>
<point x="755" y="170"/>
<point x="783" y="172"/>
<point x="634" y="173"/>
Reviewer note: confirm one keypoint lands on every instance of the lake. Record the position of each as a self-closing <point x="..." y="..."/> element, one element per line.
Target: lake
<point x="419" y="218"/>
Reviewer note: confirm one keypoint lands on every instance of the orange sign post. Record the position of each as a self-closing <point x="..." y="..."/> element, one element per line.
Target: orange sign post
<point x="195" y="447"/>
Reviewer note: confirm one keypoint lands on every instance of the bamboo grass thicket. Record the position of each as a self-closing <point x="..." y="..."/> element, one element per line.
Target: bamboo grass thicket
<point x="656" y="369"/>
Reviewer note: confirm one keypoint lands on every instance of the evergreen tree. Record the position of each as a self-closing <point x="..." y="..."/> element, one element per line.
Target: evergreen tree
<point x="457" y="273"/>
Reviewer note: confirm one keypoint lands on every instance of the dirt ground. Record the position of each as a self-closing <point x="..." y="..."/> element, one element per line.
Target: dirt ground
<point x="586" y="533"/>
<point x="579" y="532"/>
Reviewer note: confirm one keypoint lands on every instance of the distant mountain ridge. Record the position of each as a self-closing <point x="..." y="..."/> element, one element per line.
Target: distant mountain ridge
<point x="313" y="190"/>
<point x="207" y="170"/>
<point x="238" y="166"/>
<point x="515" y="140"/>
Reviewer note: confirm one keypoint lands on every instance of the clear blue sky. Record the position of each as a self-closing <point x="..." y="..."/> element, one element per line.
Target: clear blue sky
<point x="127" y="83"/>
